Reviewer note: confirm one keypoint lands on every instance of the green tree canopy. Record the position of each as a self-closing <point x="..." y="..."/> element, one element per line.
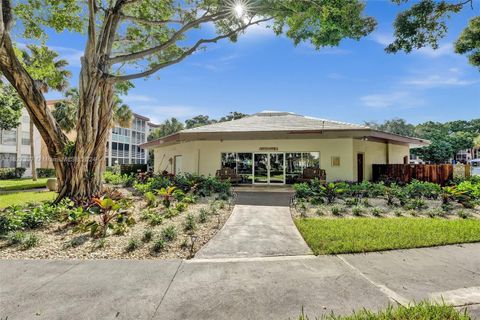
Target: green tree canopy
<point x="198" y="121"/>
<point x="396" y="125"/>
<point x="424" y="24"/>
<point x="10" y="107"/>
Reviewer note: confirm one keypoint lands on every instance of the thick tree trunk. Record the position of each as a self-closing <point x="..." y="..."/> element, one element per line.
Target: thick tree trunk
<point x="79" y="166"/>
<point x="32" y="152"/>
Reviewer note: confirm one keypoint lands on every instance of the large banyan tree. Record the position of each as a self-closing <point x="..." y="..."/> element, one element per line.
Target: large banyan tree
<point x="144" y="36"/>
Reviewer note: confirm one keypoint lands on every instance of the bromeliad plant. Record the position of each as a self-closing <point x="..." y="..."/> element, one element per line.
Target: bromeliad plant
<point x="107" y="215"/>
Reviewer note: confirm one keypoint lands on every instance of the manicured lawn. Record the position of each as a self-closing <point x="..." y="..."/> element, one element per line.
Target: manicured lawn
<point x="25" y="197"/>
<point x="22" y="184"/>
<point x="332" y="236"/>
<point x="420" y="311"/>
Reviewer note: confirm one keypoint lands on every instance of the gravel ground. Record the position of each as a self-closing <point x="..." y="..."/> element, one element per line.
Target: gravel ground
<point x="325" y="210"/>
<point x="56" y="241"/>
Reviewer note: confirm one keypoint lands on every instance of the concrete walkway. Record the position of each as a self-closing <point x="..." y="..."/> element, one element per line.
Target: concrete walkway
<point x="255" y="288"/>
<point x="256" y="231"/>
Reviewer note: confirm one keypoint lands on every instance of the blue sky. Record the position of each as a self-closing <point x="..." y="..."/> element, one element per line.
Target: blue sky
<point x="354" y="82"/>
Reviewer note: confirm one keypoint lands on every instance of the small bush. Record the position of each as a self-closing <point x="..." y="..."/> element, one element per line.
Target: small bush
<point x="352" y="202"/>
<point x="30" y="241"/>
<point x="133" y="244"/>
<point x="158" y="245"/>
<point x="203" y="215"/>
<point x="463" y="214"/>
<point x="147" y="235"/>
<point x="358" y="211"/>
<point x="15" y="238"/>
<point x="11" y="173"/>
<point x="151" y="199"/>
<point x="435" y="212"/>
<point x="170" y="213"/>
<point x="366" y="203"/>
<point x="181" y="207"/>
<point x="416" y="204"/>
<point x="169" y="233"/>
<point x="337" y="210"/>
<point x="398" y="212"/>
<point x="376" y="212"/>
<point x="189" y="224"/>
<point x="320" y="211"/>
<point x="153" y="217"/>
<point x="45" y="172"/>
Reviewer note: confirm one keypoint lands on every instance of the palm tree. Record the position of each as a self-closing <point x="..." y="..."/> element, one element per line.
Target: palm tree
<point x="65" y="111"/>
<point x="122" y="114"/>
<point x="44" y="66"/>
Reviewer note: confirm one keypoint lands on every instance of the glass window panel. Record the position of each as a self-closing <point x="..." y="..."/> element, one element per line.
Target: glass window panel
<point x="25" y="161"/>
<point x="229" y="160"/>
<point x="311" y="159"/>
<point x="8" y="160"/>
<point x="245" y="166"/>
<point x="26" y="138"/>
<point x="9" y="137"/>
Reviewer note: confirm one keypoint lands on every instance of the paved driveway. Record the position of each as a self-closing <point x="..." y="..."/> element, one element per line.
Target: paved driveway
<point x="256" y="231"/>
<point x="255" y="288"/>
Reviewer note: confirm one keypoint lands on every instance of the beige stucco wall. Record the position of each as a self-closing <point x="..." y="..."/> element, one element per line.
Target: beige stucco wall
<point x="204" y="157"/>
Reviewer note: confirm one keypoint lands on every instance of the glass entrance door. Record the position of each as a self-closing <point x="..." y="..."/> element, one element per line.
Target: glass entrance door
<point x="269" y="168"/>
<point x="277" y="168"/>
<point x="260" y="168"/>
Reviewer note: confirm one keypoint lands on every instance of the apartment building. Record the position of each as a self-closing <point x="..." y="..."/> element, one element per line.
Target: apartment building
<point x="15" y="146"/>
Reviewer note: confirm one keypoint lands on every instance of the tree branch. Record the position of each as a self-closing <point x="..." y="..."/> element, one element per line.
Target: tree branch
<point x="169" y="42"/>
<point x="185" y="53"/>
<point x="149" y="22"/>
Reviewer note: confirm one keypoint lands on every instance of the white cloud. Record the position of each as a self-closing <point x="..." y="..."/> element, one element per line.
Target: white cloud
<point x="451" y="77"/>
<point x="400" y="99"/>
<point x="262" y="29"/>
<point x="383" y="39"/>
<point x="159" y="113"/>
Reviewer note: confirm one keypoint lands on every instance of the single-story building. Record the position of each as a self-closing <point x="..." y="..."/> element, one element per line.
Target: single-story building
<point x="273" y="147"/>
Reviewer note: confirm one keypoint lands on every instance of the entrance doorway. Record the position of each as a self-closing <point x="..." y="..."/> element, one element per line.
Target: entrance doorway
<point x="269" y="168"/>
<point x="360" y="167"/>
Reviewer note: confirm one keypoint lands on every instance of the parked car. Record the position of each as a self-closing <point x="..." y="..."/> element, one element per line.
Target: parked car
<point x="475" y="166"/>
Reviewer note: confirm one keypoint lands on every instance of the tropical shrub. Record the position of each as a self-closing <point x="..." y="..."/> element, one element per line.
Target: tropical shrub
<point x="105" y="217"/>
<point x="169" y="233"/>
<point x="302" y="190"/>
<point x="190" y="224"/>
<point x="415" y="204"/>
<point x="167" y="195"/>
<point x="332" y="191"/>
<point x="45" y="172"/>
<point x="337" y="210"/>
<point x="11" y="173"/>
<point x="133" y="244"/>
<point x="151" y="199"/>
<point x="181" y="207"/>
<point x="158" y="245"/>
<point x="203" y="215"/>
<point x="419" y="189"/>
<point x="152" y="216"/>
<point x="376" y="212"/>
<point x="358" y="211"/>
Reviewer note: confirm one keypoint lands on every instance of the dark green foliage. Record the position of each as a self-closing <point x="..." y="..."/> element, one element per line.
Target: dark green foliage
<point x="130" y="169"/>
<point x="169" y="233"/>
<point x="190" y="224"/>
<point x="45" y="172"/>
<point x="27" y="217"/>
<point x="11" y="173"/>
<point x="469" y="42"/>
<point x="147" y="235"/>
<point x="158" y="245"/>
<point x="133" y="244"/>
<point x="203" y="216"/>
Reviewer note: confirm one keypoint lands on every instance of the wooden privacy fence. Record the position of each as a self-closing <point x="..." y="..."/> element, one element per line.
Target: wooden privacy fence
<point x="436" y="173"/>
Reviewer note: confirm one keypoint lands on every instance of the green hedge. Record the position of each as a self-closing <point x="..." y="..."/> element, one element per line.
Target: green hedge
<point x="132" y="168"/>
<point x="11" y="173"/>
<point x="45" y="172"/>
